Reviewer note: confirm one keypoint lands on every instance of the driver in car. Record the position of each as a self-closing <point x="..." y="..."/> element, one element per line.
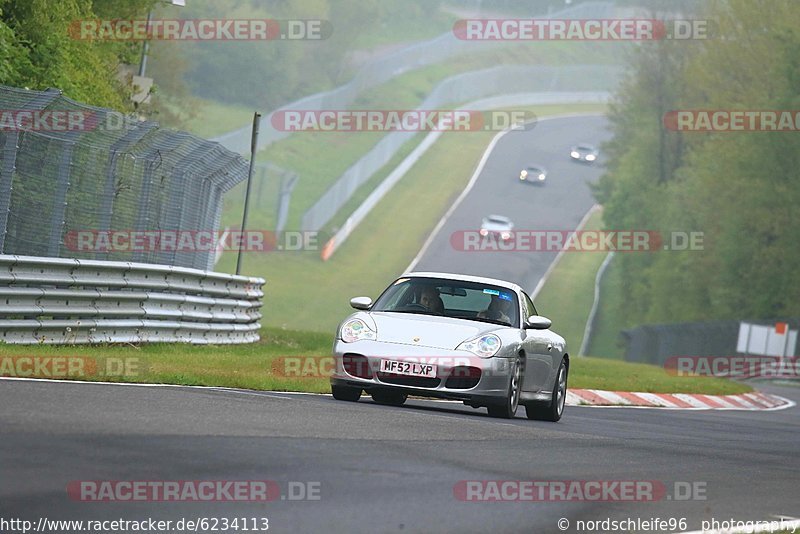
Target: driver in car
<point x="498" y="310"/>
<point x="429" y="297"/>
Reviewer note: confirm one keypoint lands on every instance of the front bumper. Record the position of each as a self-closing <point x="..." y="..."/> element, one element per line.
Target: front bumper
<point x="582" y="158"/>
<point x="460" y="375"/>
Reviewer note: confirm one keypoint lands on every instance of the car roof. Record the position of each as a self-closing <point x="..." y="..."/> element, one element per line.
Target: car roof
<point x="464" y="278"/>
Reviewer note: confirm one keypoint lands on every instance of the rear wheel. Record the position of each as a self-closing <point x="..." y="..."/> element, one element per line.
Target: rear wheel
<point x="388" y="396"/>
<point x="346" y="393"/>
<point x="555" y="408"/>
<point x="508" y="408"/>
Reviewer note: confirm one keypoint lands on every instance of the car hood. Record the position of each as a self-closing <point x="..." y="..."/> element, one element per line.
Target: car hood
<point x="432" y="331"/>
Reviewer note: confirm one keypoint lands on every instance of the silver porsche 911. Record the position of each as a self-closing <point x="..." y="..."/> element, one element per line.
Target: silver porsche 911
<point x="467" y="338"/>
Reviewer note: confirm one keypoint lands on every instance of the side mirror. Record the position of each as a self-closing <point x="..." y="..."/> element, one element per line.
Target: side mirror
<point x="537" y="322"/>
<point x="361" y="303"/>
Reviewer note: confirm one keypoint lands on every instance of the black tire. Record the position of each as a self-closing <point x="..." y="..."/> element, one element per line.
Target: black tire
<point x="346" y="393"/>
<point x="388" y="396"/>
<point x="508" y="409"/>
<point x="553" y="410"/>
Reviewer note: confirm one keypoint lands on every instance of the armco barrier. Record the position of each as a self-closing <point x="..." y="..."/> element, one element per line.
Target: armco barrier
<point x="654" y="344"/>
<point x="66" y="301"/>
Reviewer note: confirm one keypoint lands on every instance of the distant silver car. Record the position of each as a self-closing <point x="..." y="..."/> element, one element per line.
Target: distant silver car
<point x="473" y="339"/>
<point x="496" y="226"/>
<point x="535" y="174"/>
<point x="585" y="153"/>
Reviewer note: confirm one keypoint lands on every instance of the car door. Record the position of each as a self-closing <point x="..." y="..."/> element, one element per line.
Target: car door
<point x="539" y="352"/>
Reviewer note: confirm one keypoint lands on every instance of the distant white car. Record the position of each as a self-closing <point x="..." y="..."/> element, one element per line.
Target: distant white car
<point x="497" y="226"/>
<point x="585" y="153"/>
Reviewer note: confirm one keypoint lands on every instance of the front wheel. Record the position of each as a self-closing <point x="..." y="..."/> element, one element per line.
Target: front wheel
<point x="346" y="393"/>
<point x="508" y="409"/>
<point x="555" y="408"/>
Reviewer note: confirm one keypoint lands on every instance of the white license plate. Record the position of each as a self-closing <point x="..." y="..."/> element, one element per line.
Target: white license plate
<point x="427" y="370"/>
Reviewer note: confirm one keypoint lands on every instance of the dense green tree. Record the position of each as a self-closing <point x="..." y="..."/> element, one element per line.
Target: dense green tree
<point x="742" y="189"/>
<point x="38" y="51"/>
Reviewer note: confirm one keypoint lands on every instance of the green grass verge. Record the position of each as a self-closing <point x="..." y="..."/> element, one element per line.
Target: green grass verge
<point x="567" y="296"/>
<point x="610" y="375"/>
<point x="262" y="366"/>
<point x="211" y="119"/>
<point x="606" y="342"/>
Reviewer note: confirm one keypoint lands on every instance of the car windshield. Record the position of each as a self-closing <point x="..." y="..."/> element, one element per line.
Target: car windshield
<point x="587" y="148"/>
<point x="451" y="298"/>
<point x="498" y="220"/>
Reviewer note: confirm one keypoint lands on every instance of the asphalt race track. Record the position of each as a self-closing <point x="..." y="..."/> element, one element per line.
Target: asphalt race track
<point x="559" y="204"/>
<point x="380" y="469"/>
<point x="384" y="469"/>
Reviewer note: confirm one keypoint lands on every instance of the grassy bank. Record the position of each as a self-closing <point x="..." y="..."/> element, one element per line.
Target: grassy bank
<point x="287" y="360"/>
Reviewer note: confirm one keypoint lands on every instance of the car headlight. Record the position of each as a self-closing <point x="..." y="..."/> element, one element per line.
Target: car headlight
<point x="484" y="232"/>
<point x="541" y="177"/>
<point x="574" y="154"/>
<point x="355" y="330"/>
<point x="505" y="235"/>
<point x="590" y="157"/>
<point x="484" y="346"/>
<point x="523" y="175"/>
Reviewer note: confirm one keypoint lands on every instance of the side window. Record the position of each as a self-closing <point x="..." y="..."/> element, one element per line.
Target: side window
<point x="530" y="309"/>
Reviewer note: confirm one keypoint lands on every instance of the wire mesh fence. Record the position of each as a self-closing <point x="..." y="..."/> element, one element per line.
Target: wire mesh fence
<point x="79" y="181"/>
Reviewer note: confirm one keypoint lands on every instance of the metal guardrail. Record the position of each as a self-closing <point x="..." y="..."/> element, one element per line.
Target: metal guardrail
<point x="654" y="344"/>
<point x="73" y="301"/>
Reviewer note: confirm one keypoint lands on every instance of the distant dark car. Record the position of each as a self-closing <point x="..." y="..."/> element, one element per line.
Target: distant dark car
<point x="535" y="174"/>
<point x="584" y="153"/>
<point x="497" y="226"/>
